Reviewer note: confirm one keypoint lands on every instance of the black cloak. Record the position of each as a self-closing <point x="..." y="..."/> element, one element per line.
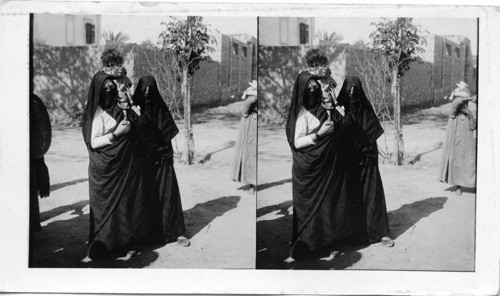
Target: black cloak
<point x="323" y="179"/>
<point x="40" y="139"/>
<point x="117" y="206"/>
<point x="157" y="128"/>
<point x="373" y="223"/>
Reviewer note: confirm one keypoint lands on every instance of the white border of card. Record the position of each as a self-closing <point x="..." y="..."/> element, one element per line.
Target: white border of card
<point x="15" y="276"/>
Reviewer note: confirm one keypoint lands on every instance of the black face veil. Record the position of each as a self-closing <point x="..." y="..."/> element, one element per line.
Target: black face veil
<point x="360" y="108"/>
<point x="299" y="94"/>
<point x="155" y="107"/>
<point x="98" y="96"/>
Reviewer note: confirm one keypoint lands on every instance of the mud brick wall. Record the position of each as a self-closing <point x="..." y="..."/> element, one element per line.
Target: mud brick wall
<point x="62" y="77"/>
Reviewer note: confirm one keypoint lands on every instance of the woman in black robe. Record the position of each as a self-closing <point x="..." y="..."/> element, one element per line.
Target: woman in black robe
<point x="157" y="129"/>
<point x="40" y="139"/>
<point x="373" y="223"/>
<point x="117" y="207"/>
<point x="323" y="179"/>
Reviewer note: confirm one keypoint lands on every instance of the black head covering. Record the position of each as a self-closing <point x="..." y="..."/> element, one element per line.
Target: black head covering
<point x="361" y="110"/>
<point x="40" y="128"/>
<point x="299" y="94"/>
<point x="155" y="107"/>
<point x="97" y="97"/>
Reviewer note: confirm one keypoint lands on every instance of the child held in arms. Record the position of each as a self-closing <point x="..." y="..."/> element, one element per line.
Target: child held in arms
<point x="319" y="69"/>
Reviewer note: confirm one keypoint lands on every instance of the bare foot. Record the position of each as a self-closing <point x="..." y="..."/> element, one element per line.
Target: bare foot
<point x="333" y="255"/>
<point x="289" y="260"/>
<point x="458" y="191"/>
<point x="387" y="241"/>
<point x="183" y="241"/>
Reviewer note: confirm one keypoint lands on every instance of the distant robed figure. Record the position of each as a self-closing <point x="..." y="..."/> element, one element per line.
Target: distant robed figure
<point x="458" y="162"/>
<point x="244" y="168"/>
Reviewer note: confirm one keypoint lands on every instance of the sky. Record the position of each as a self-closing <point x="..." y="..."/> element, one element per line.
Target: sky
<point x="353" y="29"/>
<point x="143" y="27"/>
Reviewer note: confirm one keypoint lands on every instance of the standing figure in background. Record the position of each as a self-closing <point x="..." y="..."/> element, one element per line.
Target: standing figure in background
<point x="40" y="139"/>
<point x="245" y="160"/>
<point x="373" y="223"/>
<point x="458" y="162"/>
<point x="157" y="128"/>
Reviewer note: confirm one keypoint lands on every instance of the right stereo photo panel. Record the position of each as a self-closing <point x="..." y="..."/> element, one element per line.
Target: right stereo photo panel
<point x="367" y="143"/>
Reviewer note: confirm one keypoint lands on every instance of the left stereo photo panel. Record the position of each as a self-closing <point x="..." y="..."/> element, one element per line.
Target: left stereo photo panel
<point x="143" y="141"/>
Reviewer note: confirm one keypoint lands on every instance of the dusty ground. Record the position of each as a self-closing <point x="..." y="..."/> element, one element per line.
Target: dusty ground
<point x="219" y="214"/>
<point x="433" y="229"/>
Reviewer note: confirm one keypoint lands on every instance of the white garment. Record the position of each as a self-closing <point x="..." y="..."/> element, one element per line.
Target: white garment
<point x="101" y="125"/>
<point x="305" y="124"/>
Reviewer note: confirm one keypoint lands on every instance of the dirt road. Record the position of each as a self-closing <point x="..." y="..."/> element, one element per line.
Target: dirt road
<point x="433" y="229"/>
<point x="219" y="215"/>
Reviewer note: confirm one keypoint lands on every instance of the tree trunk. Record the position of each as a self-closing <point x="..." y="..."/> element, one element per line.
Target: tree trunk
<point x="188" y="156"/>
<point x="398" y="127"/>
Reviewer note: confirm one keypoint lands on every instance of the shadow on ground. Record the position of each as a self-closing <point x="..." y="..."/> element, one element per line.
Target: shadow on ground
<point x="207" y="157"/>
<point x="418" y="157"/>
<point x="274" y="231"/>
<point x="63" y="242"/>
<point x="203" y="214"/>
<point x="464" y="189"/>
<point x="265" y="186"/>
<point x="66" y="184"/>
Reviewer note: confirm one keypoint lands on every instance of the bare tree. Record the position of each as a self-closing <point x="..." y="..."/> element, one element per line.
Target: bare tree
<point x="165" y="68"/>
<point x="189" y="42"/>
<point x="398" y="40"/>
<point x="374" y="70"/>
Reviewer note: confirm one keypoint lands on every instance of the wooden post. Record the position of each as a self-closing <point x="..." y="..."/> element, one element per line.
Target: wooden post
<point x="188" y="128"/>
<point x="398" y="127"/>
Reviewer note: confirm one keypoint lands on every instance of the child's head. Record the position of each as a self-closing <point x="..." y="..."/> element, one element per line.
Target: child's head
<point x="120" y="76"/>
<point x="462" y="85"/>
<point x="316" y="57"/>
<point x="111" y="58"/>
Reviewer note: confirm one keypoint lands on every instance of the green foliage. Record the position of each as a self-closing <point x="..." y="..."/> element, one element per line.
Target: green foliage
<point x="329" y="43"/>
<point x="399" y="41"/>
<point x="118" y="41"/>
<point x="189" y="41"/>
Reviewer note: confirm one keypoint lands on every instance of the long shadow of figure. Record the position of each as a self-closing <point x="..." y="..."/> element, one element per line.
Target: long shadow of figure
<point x="265" y="186"/>
<point x="203" y="214"/>
<point x="406" y="216"/>
<point x="66" y="184"/>
<point x="207" y="157"/>
<point x="419" y="156"/>
<point x="274" y="231"/>
<point x="63" y="243"/>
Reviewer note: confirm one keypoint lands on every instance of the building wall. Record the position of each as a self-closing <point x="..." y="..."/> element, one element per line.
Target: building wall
<point x="64" y="29"/>
<point x="448" y="68"/>
<point x="237" y="68"/>
<point x="61" y="79"/>
<point x="283" y="31"/>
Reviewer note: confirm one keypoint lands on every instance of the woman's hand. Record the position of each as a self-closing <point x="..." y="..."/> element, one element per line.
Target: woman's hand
<point x="123" y="128"/>
<point x="326" y="128"/>
<point x="325" y="87"/>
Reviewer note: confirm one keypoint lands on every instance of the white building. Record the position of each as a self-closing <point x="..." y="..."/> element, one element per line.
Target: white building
<point x="66" y="29"/>
<point x="286" y="31"/>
